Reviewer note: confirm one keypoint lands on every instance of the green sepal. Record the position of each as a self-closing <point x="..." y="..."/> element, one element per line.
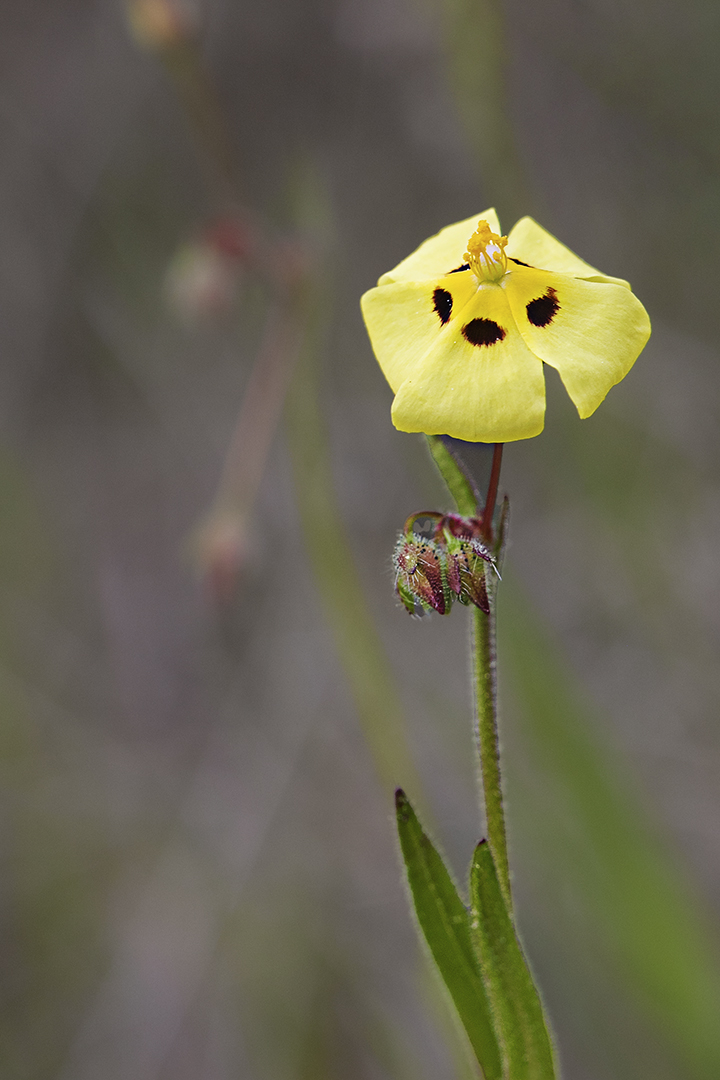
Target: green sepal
<point x="407" y="598"/>
<point x="520" y="1024"/>
<point x="444" y="921"/>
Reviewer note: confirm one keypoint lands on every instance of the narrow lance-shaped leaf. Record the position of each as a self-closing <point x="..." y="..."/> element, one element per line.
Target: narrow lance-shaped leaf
<point x="525" y="1045"/>
<point x="444" y="921"/>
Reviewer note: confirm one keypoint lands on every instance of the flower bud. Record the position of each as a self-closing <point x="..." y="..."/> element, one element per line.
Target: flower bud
<point x="420" y="574"/>
<point x="466" y="568"/>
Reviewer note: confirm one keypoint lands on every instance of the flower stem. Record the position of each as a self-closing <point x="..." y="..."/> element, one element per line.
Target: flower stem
<point x="485" y="680"/>
<point x="492" y="492"/>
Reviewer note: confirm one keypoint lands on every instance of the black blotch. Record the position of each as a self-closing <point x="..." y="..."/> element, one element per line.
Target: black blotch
<point x="459" y="269"/>
<point x="482" y="332"/>
<point x="442" y="302"/>
<point x="520" y="262"/>
<point x="542" y="311"/>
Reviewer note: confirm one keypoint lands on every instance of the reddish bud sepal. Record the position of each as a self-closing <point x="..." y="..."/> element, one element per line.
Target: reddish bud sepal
<point x="466" y="567"/>
<point x="465" y="528"/>
<point x="421" y="574"/>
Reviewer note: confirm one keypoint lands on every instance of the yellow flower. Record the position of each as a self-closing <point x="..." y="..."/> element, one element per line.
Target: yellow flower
<point x="462" y="327"/>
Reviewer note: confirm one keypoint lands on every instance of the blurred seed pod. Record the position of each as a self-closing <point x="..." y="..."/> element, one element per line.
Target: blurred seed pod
<point x="204" y="277"/>
<point x="162" y="24"/>
<point x="221" y="550"/>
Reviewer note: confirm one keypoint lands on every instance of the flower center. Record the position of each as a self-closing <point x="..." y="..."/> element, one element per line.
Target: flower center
<point x="486" y="253"/>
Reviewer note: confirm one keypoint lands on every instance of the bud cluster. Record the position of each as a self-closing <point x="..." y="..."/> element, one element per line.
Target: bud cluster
<point x="449" y="564"/>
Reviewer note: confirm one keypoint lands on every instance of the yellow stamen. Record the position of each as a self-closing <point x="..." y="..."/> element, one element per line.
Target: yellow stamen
<point x="486" y="253"/>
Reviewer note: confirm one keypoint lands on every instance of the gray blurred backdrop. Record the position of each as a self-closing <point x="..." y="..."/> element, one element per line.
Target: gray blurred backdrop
<point x="199" y="872"/>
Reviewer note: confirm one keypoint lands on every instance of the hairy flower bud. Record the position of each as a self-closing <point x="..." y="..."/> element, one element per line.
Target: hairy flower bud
<point x="467" y="562"/>
<point x="421" y="574"/>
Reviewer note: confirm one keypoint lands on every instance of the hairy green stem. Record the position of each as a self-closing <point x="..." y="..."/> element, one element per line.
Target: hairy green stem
<point x="485" y="684"/>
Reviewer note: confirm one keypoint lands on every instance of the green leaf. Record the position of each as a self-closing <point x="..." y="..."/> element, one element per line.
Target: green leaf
<point x="444" y="921"/>
<point x="519" y="1020"/>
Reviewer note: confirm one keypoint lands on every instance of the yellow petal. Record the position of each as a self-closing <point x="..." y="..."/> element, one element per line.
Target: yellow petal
<point x="442" y="253"/>
<point x="404" y="323"/>
<point x="492" y="392"/>
<point x="532" y="244"/>
<point x="591" y="332"/>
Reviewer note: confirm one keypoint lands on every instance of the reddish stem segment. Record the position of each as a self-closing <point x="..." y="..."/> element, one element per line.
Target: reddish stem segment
<point x="492" y="492"/>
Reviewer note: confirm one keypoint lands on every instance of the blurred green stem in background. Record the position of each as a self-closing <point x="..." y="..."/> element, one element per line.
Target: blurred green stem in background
<point x="171" y="31"/>
<point x="295" y="328"/>
<point x="597" y="840"/>
<point x="476" y="58"/>
<point x="361" y="652"/>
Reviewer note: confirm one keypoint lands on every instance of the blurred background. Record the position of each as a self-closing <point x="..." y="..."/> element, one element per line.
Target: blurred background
<point x="207" y="686"/>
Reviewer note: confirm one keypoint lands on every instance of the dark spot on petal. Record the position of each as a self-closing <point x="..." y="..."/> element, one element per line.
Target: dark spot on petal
<point x="483" y="332"/>
<point x="542" y="311"/>
<point x="521" y="263"/>
<point x="459" y="269"/>
<point x="442" y="302"/>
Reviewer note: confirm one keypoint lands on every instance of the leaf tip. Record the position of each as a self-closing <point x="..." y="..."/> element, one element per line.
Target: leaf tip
<point x="402" y="805"/>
